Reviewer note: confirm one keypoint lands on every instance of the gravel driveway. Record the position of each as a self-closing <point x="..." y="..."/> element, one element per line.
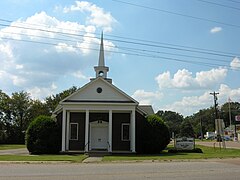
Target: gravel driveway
<point x="22" y="151"/>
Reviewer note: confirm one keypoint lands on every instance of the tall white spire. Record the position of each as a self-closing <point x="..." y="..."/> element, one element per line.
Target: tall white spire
<point x="101" y="70"/>
<point x="101" y="61"/>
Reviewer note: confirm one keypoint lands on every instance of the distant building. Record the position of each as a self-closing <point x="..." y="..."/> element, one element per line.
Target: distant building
<point x="100" y="116"/>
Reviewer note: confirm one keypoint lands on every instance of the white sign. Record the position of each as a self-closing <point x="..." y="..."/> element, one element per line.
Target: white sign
<point x="184" y="143"/>
<point x="237" y="118"/>
<point x="219" y="124"/>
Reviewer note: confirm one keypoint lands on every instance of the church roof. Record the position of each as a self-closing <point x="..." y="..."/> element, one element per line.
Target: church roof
<point x="147" y="109"/>
<point x="99" y="91"/>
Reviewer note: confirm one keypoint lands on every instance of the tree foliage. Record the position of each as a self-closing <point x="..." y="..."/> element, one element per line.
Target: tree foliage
<point x="43" y="136"/>
<point x="186" y="129"/>
<point x="156" y="136"/>
<point x="208" y="118"/>
<point x="18" y="111"/>
<point x="172" y="119"/>
<point x="53" y="100"/>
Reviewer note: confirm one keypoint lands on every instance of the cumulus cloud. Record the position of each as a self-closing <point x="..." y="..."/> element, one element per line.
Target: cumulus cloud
<point x="98" y="17"/>
<point x="80" y="75"/>
<point x="191" y="104"/>
<point x="235" y="64"/>
<point x="184" y="79"/>
<point x="41" y="92"/>
<point x="50" y="57"/>
<point x="147" y="98"/>
<point x="215" y="30"/>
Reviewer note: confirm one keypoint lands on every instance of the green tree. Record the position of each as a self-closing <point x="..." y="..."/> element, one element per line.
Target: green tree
<point x="43" y="136"/>
<point x="186" y="129"/>
<point x="20" y="105"/>
<point x="156" y="136"/>
<point x="4" y="107"/>
<point x="206" y="116"/>
<point x="38" y="108"/>
<point x="53" y="100"/>
<point x="234" y="110"/>
<point x="5" y="116"/>
<point x="172" y="119"/>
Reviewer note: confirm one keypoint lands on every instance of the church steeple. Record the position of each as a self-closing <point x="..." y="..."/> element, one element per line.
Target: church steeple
<point x="101" y="70"/>
<point x="101" y="61"/>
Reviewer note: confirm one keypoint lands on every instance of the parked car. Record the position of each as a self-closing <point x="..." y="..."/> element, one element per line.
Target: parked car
<point x="210" y="138"/>
<point x="226" y="138"/>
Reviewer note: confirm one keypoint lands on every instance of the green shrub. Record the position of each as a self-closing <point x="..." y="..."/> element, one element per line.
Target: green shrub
<point x="156" y="136"/>
<point x="43" y="136"/>
<point x="196" y="150"/>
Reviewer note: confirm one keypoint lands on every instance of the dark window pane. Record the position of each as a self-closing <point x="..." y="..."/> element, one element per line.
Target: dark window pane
<point x="74" y="131"/>
<point x="125" y="132"/>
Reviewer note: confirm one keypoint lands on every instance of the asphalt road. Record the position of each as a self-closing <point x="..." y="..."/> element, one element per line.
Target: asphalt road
<point x="229" y="144"/>
<point x="209" y="170"/>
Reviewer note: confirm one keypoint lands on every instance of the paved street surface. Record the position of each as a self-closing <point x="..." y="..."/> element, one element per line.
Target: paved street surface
<point x="229" y="144"/>
<point x="210" y="170"/>
<point x="22" y="151"/>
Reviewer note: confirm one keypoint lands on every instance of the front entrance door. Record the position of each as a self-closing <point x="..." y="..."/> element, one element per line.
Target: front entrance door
<point x="99" y="135"/>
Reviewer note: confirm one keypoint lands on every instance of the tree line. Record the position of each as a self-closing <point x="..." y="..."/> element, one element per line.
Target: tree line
<point x="19" y="109"/>
<point x="202" y="121"/>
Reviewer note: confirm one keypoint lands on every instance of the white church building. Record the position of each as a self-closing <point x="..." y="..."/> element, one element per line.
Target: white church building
<point x="101" y="117"/>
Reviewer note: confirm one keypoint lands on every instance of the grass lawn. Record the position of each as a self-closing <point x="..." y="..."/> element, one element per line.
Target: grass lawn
<point x="70" y="158"/>
<point x="208" y="152"/>
<point x="11" y="146"/>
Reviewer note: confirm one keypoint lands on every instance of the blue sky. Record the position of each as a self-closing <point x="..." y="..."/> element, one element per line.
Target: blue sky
<point x="168" y="53"/>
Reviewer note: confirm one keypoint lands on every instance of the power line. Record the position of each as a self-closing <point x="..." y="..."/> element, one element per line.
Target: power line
<point x="139" y="41"/>
<point x="134" y="54"/>
<point x="217" y="4"/>
<point x="125" y="48"/>
<point x="122" y="47"/>
<point x="135" y="49"/>
<point x="132" y="42"/>
<point x="234" y="1"/>
<point x="178" y="14"/>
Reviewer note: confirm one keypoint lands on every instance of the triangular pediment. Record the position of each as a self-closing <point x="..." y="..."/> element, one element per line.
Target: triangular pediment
<point x="99" y="90"/>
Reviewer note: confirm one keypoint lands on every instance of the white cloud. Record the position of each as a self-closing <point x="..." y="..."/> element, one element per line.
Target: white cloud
<point x="34" y="66"/>
<point x="98" y="17"/>
<point x="225" y="92"/>
<point x="147" y="98"/>
<point x="183" y="79"/>
<point x="80" y="75"/>
<point x="63" y="47"/>
<point x="215" y="30"/>
<point x="191" y="104"/>
<point x="41" y="93"/>
<point x="235" y="64"/>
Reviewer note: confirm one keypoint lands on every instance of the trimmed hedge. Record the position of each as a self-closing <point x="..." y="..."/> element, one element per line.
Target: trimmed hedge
<point x="43" y="136"/>
<point x="156" y="136"/>
<point x="196" y="150"/>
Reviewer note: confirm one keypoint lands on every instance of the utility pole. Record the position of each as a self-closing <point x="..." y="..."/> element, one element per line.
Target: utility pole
<point x="216" y="114"/>
<point x="215" y="103"/>
<point x="201" y="128"/>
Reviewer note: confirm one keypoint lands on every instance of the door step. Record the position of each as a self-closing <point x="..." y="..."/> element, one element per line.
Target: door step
<point x="97" y="153"/>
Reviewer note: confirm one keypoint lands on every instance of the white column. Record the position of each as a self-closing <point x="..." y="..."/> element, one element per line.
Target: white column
<point x="86" y="131"/>
<point x="110" y="131"/>
<point x="64" y="130"/>
<point x="68" y="128"/>
<point x="132" y="131"/>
